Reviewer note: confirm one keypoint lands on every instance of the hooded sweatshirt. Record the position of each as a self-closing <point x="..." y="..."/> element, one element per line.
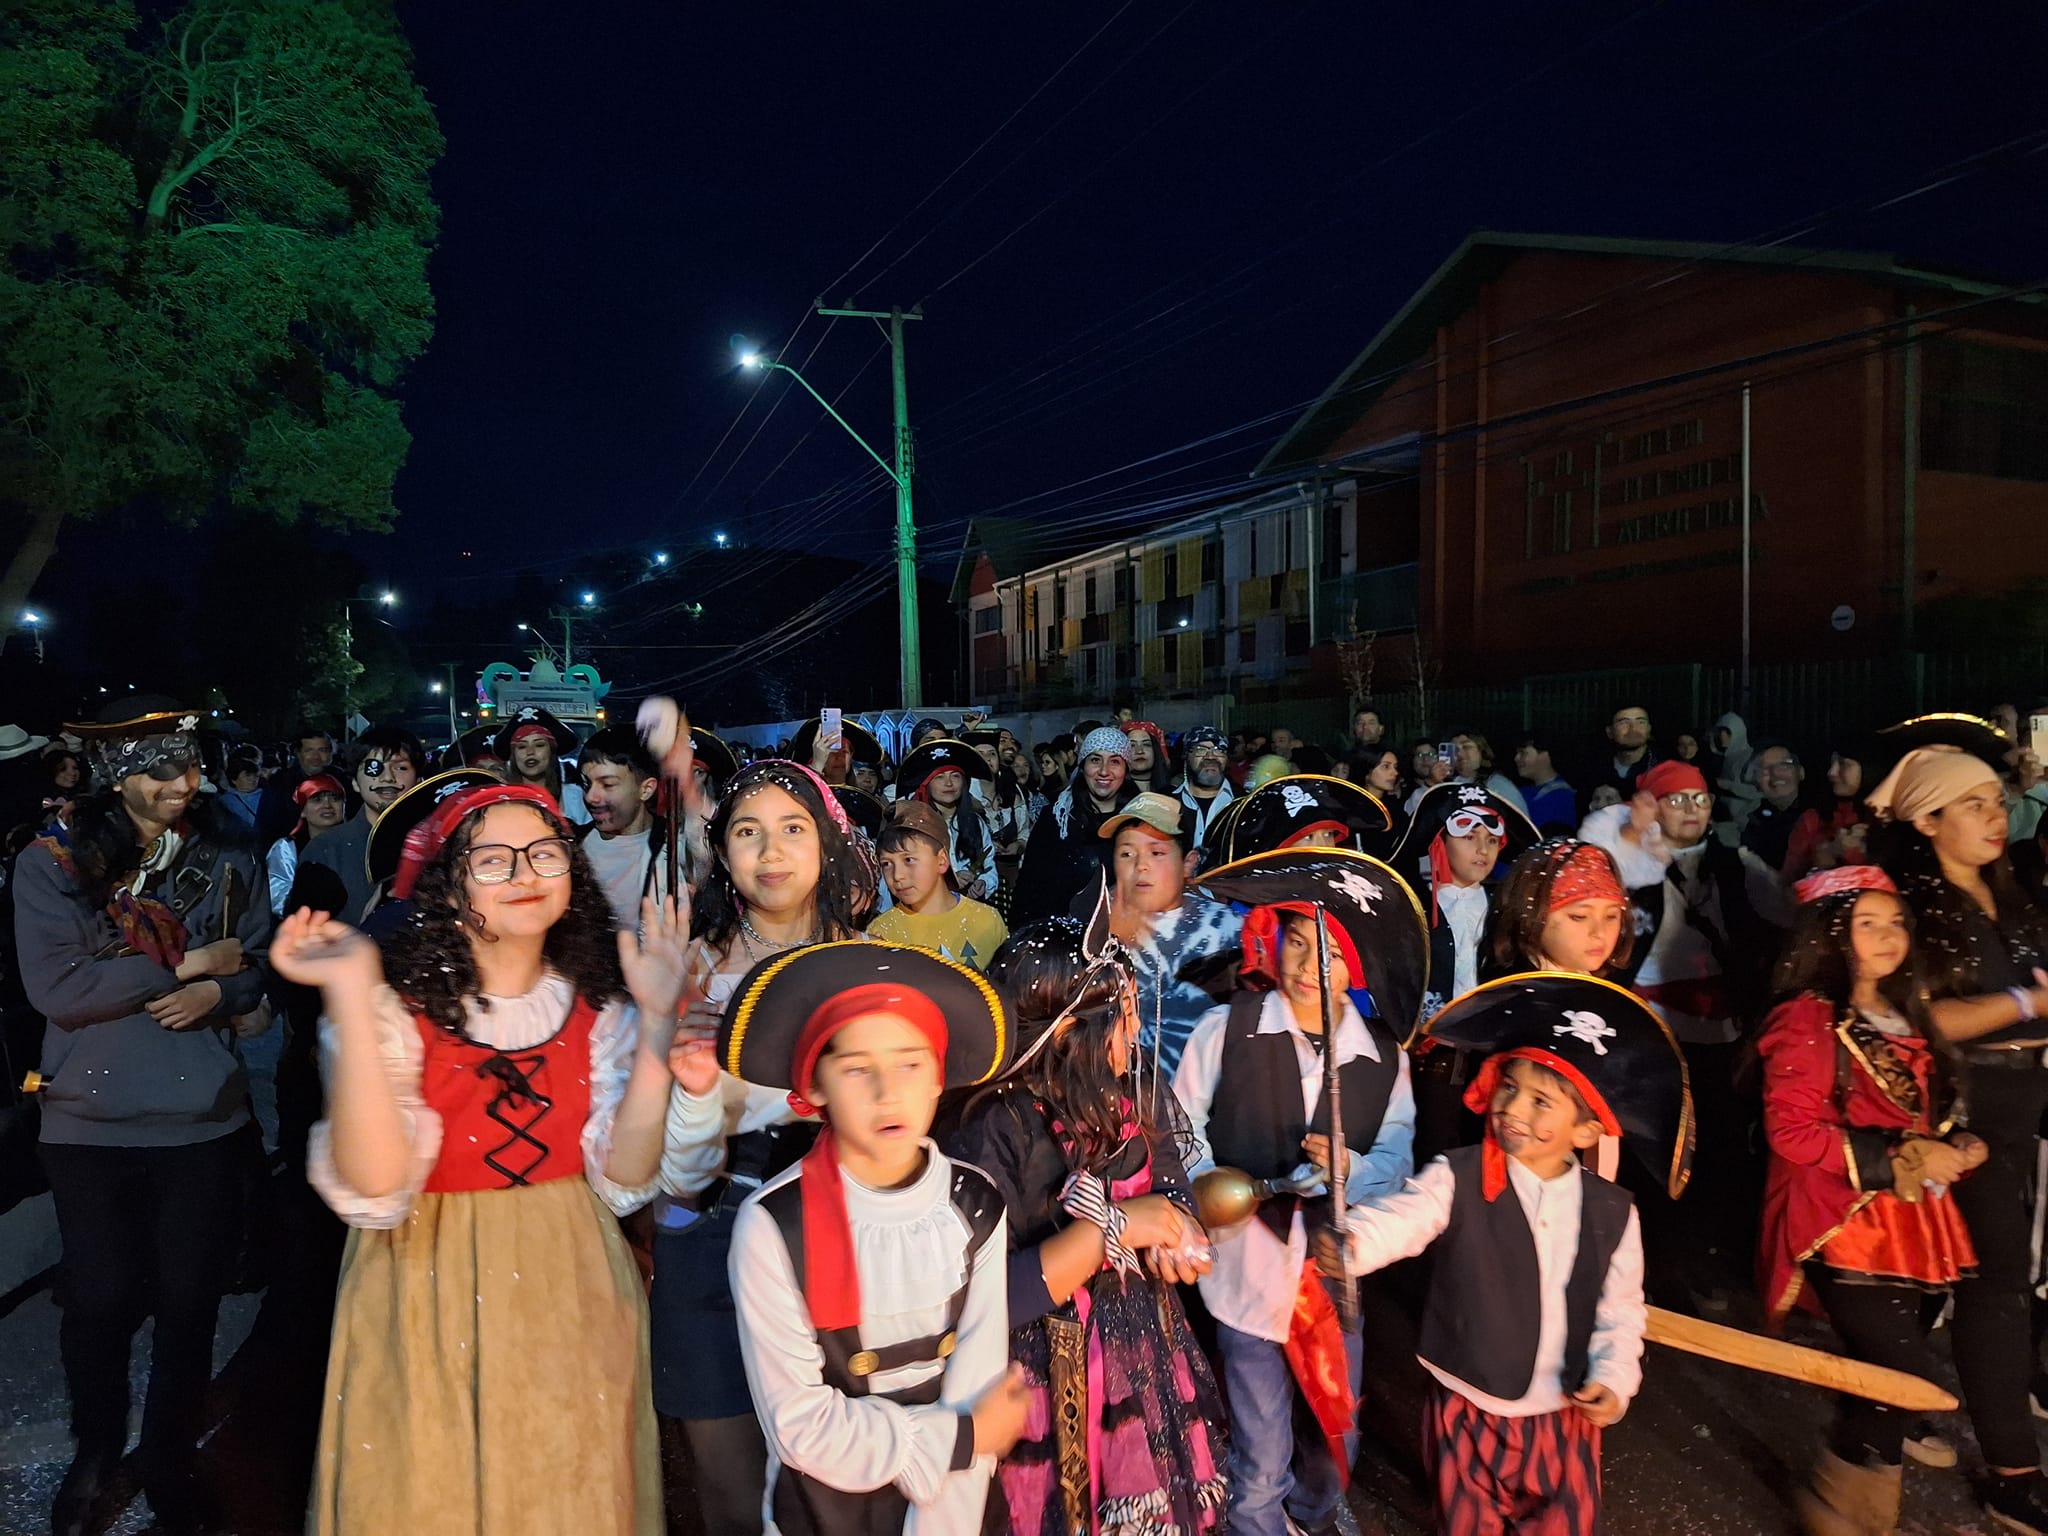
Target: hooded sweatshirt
<point x="1736" y="787"/>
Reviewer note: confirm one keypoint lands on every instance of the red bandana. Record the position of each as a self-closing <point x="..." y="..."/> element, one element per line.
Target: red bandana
<point x="831" y="1282"/>
<point x="531" y="728"/>
<point x="1846" y="877"/>
<point x="1260" y="939"/>
<point x="1587" y="874"/>
<point x="427" y="839"/>
<point x="1493" y="1163"/>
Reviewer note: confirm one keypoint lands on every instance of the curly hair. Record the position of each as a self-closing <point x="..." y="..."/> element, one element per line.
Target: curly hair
<point x="846" y="884"/>
<point x="431" y="961"/>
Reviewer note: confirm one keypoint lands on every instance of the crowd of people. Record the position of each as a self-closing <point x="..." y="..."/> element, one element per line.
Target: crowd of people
<point x="998" y="1135"/>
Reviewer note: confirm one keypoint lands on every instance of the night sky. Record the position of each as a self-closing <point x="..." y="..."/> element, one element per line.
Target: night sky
<point x="1184" y="221"/>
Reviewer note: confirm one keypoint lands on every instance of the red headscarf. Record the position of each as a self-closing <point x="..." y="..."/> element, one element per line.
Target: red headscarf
<point x="1671" y="776"/>
<point x="1587" y="874"/>
<point x="1493" y="1163"/>
<point x="831" y="1282"/>
<point x="427" y="839"/>
<point x="1846" y="877"/>
<point x="1260" y="939"/>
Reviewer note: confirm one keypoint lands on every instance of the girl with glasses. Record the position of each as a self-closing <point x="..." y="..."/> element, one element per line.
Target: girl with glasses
<point x="494" y="1104"/>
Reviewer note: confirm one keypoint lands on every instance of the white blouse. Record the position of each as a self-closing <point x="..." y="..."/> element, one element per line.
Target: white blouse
<point x="910" y="1251"/>
<point x="511" y="1024"/>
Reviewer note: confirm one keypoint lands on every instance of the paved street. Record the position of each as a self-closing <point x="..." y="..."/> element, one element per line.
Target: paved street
<point x="1708" y="1450"/>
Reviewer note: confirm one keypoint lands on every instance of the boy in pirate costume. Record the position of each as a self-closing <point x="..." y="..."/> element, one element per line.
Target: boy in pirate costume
<point x="1533" y="1329"/>
<point x="870" y="1278"/>
<point x="1255" y="1081"/>
<point x="1460" y="837"/>
<point x="1309" y="810"/>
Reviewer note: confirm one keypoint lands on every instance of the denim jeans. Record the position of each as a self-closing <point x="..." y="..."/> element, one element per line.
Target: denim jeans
<point x="1280" y="1463"/>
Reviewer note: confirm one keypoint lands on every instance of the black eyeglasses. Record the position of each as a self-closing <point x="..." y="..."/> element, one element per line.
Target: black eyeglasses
<point x="495" y="863"/>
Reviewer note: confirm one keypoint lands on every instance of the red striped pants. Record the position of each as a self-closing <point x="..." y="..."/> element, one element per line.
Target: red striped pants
<point x="1495" y="1476"/>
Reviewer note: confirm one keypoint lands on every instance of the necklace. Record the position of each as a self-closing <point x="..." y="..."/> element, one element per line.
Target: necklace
<point x="750" y="938"/>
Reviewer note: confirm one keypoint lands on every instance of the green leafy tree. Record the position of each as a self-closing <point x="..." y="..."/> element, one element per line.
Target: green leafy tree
<point x="216" y="224"/>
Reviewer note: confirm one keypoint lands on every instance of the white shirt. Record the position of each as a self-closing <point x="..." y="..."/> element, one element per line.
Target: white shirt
<point x="1253" y="1283"/>
<point x="1207" y="810"/>
<point x="1401" y="1225"/>
<point x="512" y="1024"/>
<point x="620" y="864"/>
<point x="1464" y="908"/>
<point x="910" y="1249"/>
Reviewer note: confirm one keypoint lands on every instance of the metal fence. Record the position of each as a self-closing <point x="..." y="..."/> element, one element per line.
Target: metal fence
<point x="1815" y="705"/>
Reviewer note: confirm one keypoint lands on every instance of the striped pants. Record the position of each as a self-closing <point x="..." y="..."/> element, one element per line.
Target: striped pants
<point x="1538" y="1476"/>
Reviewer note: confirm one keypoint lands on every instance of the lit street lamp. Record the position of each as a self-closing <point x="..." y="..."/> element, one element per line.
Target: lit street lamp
<point x="34" y="623"/>
<point x="899" y="474"/>
<point x="385" y="599"/>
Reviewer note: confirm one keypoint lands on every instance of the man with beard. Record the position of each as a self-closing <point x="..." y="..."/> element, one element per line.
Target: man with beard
<point x="1628" y="734"/>
<point x="140" y="932"/>
<point x="1205" y="786"/>
<point x="620" y="779"/>
<point x="389" y="760"/>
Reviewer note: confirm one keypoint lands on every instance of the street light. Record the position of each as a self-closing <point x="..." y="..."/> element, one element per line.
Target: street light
<point x="589" y="599"/>
<point x="718" y="539"/>
<point x="384" y="599"/>
<point x="899" y="475"/>
<point x="541" y="640"/>
<point x="33" y="622"/>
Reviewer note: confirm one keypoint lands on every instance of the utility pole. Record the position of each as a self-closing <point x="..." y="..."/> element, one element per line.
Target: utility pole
<point x="906" y="525"/>
<point x="452" y="732"/>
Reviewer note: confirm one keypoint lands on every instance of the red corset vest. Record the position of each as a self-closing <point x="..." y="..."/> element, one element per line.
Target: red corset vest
<point x="508" y="1117"/>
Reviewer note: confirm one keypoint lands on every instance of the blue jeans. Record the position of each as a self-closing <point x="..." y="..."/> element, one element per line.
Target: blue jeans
<point x="1280" y="1464"/>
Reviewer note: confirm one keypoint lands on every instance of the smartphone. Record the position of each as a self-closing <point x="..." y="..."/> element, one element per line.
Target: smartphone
<point x="2037" y="737"/>
<point x="831" y="728"/>
<point x="1447" y="753"/>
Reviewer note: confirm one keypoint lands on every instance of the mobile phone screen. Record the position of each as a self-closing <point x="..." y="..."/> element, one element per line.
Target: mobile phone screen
<point x="831" y="730"/>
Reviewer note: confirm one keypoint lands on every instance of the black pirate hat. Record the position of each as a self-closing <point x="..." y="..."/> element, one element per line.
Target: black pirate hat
<point x="524" y="718"/>
<point x="768" y="1033"/>
<point x="1216" y="840"/>
<point x="474" y="746"/>
<point x="1436" y="809"/>
<point x="143" y="733"/>
<point x="868" y="812"/>
<point x="1603" y="1038"/>
<point x="1285" y="809"/>
<point x="719" y="760"/>
<point x="1979" y="737"/>
<point x="861" y="745"/>
<point x="1372" y="913"/>
<point x="936" y="757"/>
<point x="387" y="837"/>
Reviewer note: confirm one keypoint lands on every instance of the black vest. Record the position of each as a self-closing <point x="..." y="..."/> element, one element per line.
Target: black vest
<point x="1485" y="1306"/>
<point x="804" y="1506"/>
<point x="1255" y="1117"/>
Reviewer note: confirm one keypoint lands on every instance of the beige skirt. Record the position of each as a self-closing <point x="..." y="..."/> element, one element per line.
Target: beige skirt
<point x="489" y="1375"/>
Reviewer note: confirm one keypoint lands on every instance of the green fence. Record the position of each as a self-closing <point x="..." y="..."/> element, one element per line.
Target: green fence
<point x="1813" y="704"/>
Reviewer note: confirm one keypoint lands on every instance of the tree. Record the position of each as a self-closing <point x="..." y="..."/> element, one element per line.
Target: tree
<point x="1357" y="657"/>
<point x="216" y="224"/>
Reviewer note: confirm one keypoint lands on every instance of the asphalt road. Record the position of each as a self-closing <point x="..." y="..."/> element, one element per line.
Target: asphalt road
<point x="1707" y="1449"/>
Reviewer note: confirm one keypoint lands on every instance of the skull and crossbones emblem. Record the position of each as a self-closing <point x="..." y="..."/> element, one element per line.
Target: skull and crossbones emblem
<point x="1587" y="1028"/>
<point x="1355" y="885"/>
<point x="1296" y="799"/>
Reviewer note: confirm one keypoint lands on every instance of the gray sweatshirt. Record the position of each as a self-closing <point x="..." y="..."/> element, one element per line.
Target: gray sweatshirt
<point x="113" y="1076"/>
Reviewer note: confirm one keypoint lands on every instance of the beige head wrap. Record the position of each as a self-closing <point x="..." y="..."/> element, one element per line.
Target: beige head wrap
<point x="1927" y="780"/>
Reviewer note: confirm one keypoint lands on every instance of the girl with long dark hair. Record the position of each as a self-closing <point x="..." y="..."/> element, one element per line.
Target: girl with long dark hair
<point x="1101" y="1226"/>
<point x="1986" y="950"/>
<point x="788" y="870"/>
<point x="496" y="1084"/>
<point x="1562" y="908"/>
<point x="1859" y="1100"/>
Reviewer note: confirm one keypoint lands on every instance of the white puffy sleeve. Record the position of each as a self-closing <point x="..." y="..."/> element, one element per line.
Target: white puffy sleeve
<point x="399" y="1046"/>
<point x="613" y="1041"/>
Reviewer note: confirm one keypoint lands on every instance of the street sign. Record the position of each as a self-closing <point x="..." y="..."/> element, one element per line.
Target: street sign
<point x="1843" y="618"/>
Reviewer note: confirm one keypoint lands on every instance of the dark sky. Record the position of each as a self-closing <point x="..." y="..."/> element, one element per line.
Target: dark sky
<point x="1184" y="220"/>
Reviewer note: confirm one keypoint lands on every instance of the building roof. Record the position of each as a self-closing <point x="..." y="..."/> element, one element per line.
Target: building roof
<point x="1484" y="255"/>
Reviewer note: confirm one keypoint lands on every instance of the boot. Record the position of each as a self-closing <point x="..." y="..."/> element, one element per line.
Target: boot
<point x="1844" y="1499"/>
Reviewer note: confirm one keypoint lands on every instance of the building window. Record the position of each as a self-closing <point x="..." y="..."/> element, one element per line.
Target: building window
<point x="1052" y="639"/>
<point x="1985" y="410"/>
<point x="1252" y="564"/>
<point x="1173" y="615"/>
<point x="1248" y="645"/>
<point x="1333" y="541"/>
<point x="1212" y="651"/>
<point x="1172" y="571"/>
<point x="1297" y="637"/>
<point x="989" y="620"/>
<point x="1088" y="597"/>
<point x="1123" y="587"/>
<point x="1212" y="559"/>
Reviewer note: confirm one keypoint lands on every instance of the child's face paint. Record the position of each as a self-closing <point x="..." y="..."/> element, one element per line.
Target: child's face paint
<point x="1537" y="1122"/>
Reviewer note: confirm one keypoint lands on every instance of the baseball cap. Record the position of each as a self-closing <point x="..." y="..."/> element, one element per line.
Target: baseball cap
<point x="1162" y="813"/>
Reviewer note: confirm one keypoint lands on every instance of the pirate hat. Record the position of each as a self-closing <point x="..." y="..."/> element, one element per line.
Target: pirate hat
<point x="473" y="747"/>
<point x="142" y="732"/>
<point x="861" y="745"/>
<point x="718" y="759"/>
<point x="529" y="717"/>
<point x="1974" y="734"/>
<point x="868" y="812"/>
<point x="1375" y="919"/>
<point x="1605" y="1040"/>
<point x="387" y="837"/>
<point x="1435" y="811"/>
<point x="1216" y="841"/>
<point x="937" y="756"/>
<point x="780" y="1015"/>
<point x="1285" y="810"/>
